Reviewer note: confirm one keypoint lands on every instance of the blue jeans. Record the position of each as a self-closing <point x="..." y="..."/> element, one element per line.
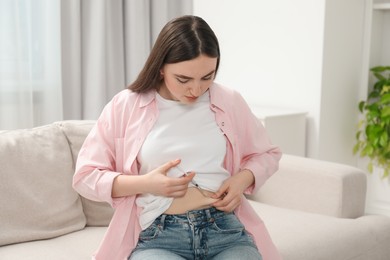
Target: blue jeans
<point x="198" y="234"/>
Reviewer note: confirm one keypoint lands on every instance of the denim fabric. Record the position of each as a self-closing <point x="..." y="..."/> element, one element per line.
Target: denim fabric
<point x="198" y="234"/>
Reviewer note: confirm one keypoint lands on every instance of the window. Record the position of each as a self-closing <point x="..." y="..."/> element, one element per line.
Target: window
<point x="30" y="62"/>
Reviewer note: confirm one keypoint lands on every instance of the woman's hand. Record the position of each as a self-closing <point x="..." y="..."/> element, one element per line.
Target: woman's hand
<point x="158" y="183"/>
<point x="232" y="189"/>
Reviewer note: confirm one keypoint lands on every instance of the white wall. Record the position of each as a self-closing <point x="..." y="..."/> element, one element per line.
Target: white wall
<point x="341" y="79"/>
<point x="291" y="54"/>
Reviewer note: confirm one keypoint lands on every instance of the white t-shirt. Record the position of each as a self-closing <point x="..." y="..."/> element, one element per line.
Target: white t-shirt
<point x="189" y="133"/>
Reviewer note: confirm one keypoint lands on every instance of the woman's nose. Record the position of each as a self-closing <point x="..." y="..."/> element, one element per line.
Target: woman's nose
<point x="196" y="89"/>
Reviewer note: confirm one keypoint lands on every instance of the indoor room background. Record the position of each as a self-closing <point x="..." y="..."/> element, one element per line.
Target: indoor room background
<point x="302" y="55"/>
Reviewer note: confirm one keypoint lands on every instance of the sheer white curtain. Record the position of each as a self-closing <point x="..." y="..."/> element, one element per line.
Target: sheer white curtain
<point x="65" y="59"/>
<point x="30" y="78"/>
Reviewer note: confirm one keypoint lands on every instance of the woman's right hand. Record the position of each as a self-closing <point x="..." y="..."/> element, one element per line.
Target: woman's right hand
<point x="158" y="183"/>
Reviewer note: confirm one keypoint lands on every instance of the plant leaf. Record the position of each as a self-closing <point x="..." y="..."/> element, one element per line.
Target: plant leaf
<point x="356" y="148"/>
<point x="373" y="132"/>
<point x="358" y="133"/>
<point x="385" y="112"/>
<point x="385" y="99"/>
<point x="383" y="139"/>
<point x="368" y="150"/>
<point x="386" y="88"/>
<point x="370" y="167"/>
<point x="378" y="69"/>
<point x="378" y="86"/>
<point x="379" y="76"/>
<point x="361" y="106"/>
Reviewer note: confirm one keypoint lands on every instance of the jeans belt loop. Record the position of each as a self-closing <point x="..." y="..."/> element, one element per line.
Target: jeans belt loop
<point x="208" y="214"/>
<point x="162" y="221"/>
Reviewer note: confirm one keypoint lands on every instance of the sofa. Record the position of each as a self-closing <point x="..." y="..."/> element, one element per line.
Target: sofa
<point x="314" y="210"/>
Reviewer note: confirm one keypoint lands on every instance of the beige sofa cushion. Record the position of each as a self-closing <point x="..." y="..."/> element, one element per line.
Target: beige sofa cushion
<point x="307" y="236"/>
<point x="97" y="213"/>
<point x="38" y="201"/>
<point x="79" y="245"/>
<point x="316" y="186"/>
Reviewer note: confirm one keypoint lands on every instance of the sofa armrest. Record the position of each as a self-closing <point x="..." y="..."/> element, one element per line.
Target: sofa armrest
<point x="316" y="186"/>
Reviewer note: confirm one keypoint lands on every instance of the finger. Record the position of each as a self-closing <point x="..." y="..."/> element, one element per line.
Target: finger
<point x="221" y="192"/>
<point x="229" y="207"/>
<point x="188" y="176"/>
<point x="183" y="180"/>
<point x="165" y="167"/>
<point x="227" y="200"/>
<point x="171" y="189"/>
<point x="221" y="203"/>
<point x="177" y="191"/>
<point x="177" y="184"/>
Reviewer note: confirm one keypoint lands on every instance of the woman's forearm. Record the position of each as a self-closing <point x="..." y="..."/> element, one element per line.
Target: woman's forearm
<point x="248" y="178"/>
<point x="127" y="185"/>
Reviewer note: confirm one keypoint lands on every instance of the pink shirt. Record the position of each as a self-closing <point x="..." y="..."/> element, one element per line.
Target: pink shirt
<point x="112" y="146"/>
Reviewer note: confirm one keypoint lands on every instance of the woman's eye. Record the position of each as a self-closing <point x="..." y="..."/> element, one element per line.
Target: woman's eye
<point x="182" y="80"/>
<point x="208" y="77"/>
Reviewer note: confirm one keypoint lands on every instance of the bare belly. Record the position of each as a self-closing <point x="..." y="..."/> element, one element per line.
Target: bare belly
<point x="192" y="200"/>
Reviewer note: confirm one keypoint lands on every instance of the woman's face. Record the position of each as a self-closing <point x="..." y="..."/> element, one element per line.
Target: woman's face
<point x="186" y="81"/>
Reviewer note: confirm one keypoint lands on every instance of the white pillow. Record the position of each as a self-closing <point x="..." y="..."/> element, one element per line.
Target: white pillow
<point x="36" y="196"/>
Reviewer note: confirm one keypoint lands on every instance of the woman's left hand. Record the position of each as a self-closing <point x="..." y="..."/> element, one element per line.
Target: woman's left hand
<point x="231" y="190"/>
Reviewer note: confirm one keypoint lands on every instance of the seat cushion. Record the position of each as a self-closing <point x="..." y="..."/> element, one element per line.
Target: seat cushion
<point x="307" y="236"/>
<point x="78" y="245"/>
<point x="37" y="199"/>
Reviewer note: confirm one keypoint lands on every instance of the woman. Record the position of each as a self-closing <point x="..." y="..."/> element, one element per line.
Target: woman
<point x="174" y="154"/>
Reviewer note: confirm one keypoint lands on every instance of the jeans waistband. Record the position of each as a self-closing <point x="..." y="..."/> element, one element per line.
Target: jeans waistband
<point x="195" y="217"/>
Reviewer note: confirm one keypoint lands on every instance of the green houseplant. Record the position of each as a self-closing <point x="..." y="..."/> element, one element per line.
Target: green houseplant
<point x="373" y="134"/>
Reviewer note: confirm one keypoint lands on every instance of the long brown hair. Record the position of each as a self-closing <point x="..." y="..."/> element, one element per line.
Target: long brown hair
<point x="183" y="38"/>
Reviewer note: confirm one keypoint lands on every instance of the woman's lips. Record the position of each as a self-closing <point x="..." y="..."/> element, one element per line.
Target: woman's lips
<point x="191" y="98"/>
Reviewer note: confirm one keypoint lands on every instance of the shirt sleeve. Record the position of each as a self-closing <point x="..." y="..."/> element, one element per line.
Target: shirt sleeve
<point x="258" y="154"/>
<point x="95" y="167"/>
